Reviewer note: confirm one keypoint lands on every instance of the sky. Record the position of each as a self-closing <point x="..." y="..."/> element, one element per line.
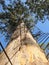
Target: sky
<point x="44" y="26"/>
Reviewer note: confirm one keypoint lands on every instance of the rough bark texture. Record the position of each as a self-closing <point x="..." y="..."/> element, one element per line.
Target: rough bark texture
<point x="28" y="54"/>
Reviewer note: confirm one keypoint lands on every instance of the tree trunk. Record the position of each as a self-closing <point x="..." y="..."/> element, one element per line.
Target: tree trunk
<point x="27" y="53"/>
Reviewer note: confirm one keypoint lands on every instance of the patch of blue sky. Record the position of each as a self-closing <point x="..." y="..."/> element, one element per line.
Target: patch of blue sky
<point x="23" y="0"/>
<point x="1" y="9"/>
<point x="44" y="26"/>
<point x="3" y="40"/>
<point x="7" y="2"/>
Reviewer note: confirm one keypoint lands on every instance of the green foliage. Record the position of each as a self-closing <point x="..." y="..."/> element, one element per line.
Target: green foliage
<point x="17" y="11"/>
<point x="40" y="7"/>
<point x="14" y="12"/>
